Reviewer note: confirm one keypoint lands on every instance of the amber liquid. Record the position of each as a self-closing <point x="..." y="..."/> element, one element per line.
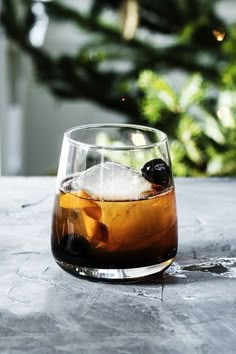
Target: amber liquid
<point x="114" y="234"/>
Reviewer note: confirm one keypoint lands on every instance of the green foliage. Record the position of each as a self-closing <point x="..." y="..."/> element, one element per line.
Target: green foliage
<point x="201" y="142"/>
<point x="196" y="107"/>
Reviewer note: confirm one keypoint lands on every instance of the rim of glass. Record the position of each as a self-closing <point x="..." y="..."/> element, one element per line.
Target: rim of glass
<point x="116" y="125"/>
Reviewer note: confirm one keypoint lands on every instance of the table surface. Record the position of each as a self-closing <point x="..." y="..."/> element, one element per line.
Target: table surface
<point x="190" y="309"/>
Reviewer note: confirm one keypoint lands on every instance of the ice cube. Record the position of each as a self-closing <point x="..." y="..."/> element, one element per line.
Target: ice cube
<point x="112" y="181"/>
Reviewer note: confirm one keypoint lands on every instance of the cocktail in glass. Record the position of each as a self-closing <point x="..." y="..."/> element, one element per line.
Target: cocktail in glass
<point x="114" y="216"/>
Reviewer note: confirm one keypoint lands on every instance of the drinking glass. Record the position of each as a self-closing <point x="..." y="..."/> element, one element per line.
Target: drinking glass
<point x="114" y="216"/>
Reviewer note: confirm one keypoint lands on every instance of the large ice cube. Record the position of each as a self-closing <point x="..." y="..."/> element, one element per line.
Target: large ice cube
<point x="112" y="181"/>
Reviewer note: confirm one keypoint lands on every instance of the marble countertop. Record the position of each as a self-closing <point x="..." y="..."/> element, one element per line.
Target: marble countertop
<point x="190" y="309"/>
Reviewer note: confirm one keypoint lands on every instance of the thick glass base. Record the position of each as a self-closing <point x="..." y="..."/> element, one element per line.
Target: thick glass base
<point x="111" y="274"/>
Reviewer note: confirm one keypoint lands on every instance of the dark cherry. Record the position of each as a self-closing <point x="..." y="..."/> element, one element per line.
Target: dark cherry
<point x="157" y="171"/>
<point x="75" y="244"/>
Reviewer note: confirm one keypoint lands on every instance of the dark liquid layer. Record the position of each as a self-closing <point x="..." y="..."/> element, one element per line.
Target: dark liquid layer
<point x="99" y="258"/>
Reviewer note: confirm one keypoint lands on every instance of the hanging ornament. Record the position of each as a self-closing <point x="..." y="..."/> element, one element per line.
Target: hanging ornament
<point x="129" y="18"/>
<point x="219" y="34"/>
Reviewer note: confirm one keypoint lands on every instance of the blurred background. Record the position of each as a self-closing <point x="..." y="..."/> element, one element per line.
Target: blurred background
<point x="169" y="64"/>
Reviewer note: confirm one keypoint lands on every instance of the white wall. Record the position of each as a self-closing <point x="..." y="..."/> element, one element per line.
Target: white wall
<point x="3" y="102"/>
<point x="46" y="121"/>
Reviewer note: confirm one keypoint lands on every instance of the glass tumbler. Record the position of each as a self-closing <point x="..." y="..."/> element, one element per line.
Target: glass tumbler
<point x="114" y="215"/>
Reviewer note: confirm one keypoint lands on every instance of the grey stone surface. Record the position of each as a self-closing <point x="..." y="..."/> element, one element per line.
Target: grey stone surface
<point x="190" y="309"/>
